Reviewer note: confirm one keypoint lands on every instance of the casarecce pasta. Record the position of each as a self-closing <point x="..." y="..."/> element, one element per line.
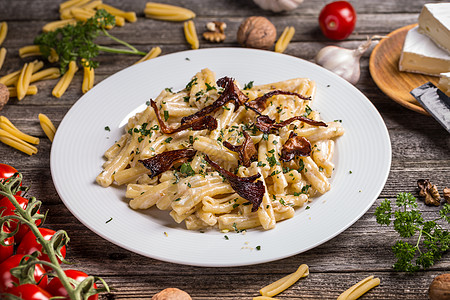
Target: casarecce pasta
<point x="197" y="192"/>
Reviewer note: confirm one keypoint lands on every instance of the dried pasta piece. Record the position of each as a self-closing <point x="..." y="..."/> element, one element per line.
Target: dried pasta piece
<point x="64" y="82"/>
<point x="47" y="126"/>
<point x="10" y="140"/>
<point x="360" y="288"/>
<point x="167" y="12"/>
<point x="34" y="50"/>
<point x="154" y="52"/>
<point x="3" y="31"/>
<point x="88" y="79"/>
<point x="72" y="3"/>
<point x="52" y="26"/>
<point x="49" y="73"/>
<point x="6" y="125"/>
<point x="11" y="78"/>
<point x="285" y="282"/>
<point x="32" y="90"/>
<point x="2" y="56"/>
<point x="191" y="34"/>
<point x="24" y="80"/>
<point x="130" y="16"/>
<point x="284" y="39"/>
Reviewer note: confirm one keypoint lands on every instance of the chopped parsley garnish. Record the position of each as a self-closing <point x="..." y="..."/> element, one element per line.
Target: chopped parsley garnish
<point x="249" y="85"/>
<point x="166" y="115"/>
<point x="272" y="160"/>
<point x="168" y="140"/>
<point x="169" y="90"/>
<point x="191" y="83"/>
<point x="187" y="169"/>
<point x="110" y="219"/>
<point x="107" y="128"/>
<point x="226" y="237"/>
<point x="258" y="248"/>
<point x="308" y="110"/>
<point x="209" y="87"/>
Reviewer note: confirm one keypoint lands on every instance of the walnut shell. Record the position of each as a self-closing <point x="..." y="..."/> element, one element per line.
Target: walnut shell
<point x="257" y="32"/>
<point x="4" y="95"/>
<point x="172" y="294"/>
<point x="440" y="288"/>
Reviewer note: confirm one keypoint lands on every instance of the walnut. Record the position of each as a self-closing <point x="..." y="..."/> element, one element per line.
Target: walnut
<point x="257" y="32"/>
<point x="440" y="287"/>
<point x="447" y="194"/>
<point x="216" y="31"/>
<point x="4" y="95"/>
<point x="172" y="294"/>
<point x="429" y="191"/>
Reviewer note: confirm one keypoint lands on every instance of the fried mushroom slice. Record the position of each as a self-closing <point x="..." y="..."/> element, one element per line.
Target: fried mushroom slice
<point x="166" y="160"/>
<point x="231" y="92"/>
<point x="266" y="124"/>
<point x="205" y="122"/>
<point x="246" y="187"/>
<point x="246" y="151"/>
<point x="259" y="104"/>
<point x="295" y="146"/>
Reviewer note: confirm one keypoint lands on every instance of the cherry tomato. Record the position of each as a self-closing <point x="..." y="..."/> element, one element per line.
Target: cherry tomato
<point x="6" y="171"/>
<point x="29" y="292"/>
<point x="337" y="20"/>
<point x="8" y="209"/>
<point x="56" y="288"/>
<point x="7" y="280"/>
<point x="6" y="251"/>
<point x="29" y="244"/>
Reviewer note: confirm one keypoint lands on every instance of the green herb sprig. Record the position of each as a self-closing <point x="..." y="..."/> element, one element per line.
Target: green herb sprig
<point x="429" y="239"/>
<point x="77" y="42"/>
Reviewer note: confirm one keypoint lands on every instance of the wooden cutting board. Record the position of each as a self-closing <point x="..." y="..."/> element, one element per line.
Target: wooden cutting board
<point x="383" y="67"/>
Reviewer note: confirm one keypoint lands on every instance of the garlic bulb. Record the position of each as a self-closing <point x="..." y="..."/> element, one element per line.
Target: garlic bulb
<point x="278" y="5"/>
<point x="343" y="62"/>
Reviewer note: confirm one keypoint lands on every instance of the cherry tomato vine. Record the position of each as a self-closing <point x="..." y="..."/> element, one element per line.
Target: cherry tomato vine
<point x="39" y="250"/>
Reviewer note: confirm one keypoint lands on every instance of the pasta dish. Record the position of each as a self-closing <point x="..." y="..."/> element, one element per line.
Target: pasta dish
<point x="218" y="155"/>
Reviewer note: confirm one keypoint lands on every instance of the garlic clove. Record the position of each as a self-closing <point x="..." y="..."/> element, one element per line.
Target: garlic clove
<point x="344" y="62"/>
<point x="278" y="5"/>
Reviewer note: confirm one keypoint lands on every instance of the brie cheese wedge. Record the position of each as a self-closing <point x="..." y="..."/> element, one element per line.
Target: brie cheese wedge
<point x="434" y="21"/>
<point x="444" y="83"/>
<point x="421" y="55"/>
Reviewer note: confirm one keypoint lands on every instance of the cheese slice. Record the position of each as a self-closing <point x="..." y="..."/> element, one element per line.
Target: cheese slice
<point x="444" y="83"/>
<point x="434" y="21"/>
<point x="421" y="55"/>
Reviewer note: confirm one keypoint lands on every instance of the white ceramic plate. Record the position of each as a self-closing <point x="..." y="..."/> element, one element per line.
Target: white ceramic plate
<point x="362" y="160"/>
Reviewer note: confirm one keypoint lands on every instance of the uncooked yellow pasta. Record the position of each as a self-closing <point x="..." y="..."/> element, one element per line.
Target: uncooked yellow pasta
<point x="154" y="52"/>
<point x="47" y="126"/>
<point x="360" y="288"/>
<point x="190" y="34"/>
<point x="71" y="4"/>
<point x="24" y="80"/>
<point x="3" y="31"/>
<point x="285" y="282"/>
<point x="11" y="78"/>
<point x="167" y="12"/>
<point x="49" y="73"/>
<point x="32" y="90"/>
<point x="65" y="80"/>
<point x="129" y="16"/>
<point x="195" y="193"/>
<point x="284" y="39"/>
<point x="6" y="125"/>
<point x="11" y="140"/>
<point x="52" y="26"/>
<point x="88" y="79"/>
<point x="2" y="56"/>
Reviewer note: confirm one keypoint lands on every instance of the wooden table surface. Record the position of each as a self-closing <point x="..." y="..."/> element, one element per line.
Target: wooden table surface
<point x="420" y="149"/>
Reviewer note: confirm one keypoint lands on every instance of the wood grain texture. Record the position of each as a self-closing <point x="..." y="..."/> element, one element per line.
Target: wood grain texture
<point x="420" y="149"/>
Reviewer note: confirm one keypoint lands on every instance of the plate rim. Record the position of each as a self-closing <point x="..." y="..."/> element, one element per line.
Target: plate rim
<point x="329" y="237"/>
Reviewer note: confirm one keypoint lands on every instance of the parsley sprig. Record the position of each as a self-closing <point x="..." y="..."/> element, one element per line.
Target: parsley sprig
<point x="432" y="239"/>
<point x="77" y="42"/>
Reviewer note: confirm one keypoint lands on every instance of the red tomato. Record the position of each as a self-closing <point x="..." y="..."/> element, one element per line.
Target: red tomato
<point x="29" y="244"/>
<point x="8" y="209"/>
<point x="7" y="251"/>
<point x="337" y="20"/>
<point x="29" y="292"/>
<point x="7" y="280"/>
<point x="7" y="171"/>
<point x="56" y="288"/>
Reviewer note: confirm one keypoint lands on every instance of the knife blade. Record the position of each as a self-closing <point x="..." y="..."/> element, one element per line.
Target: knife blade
<point x="435" y="102"/>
